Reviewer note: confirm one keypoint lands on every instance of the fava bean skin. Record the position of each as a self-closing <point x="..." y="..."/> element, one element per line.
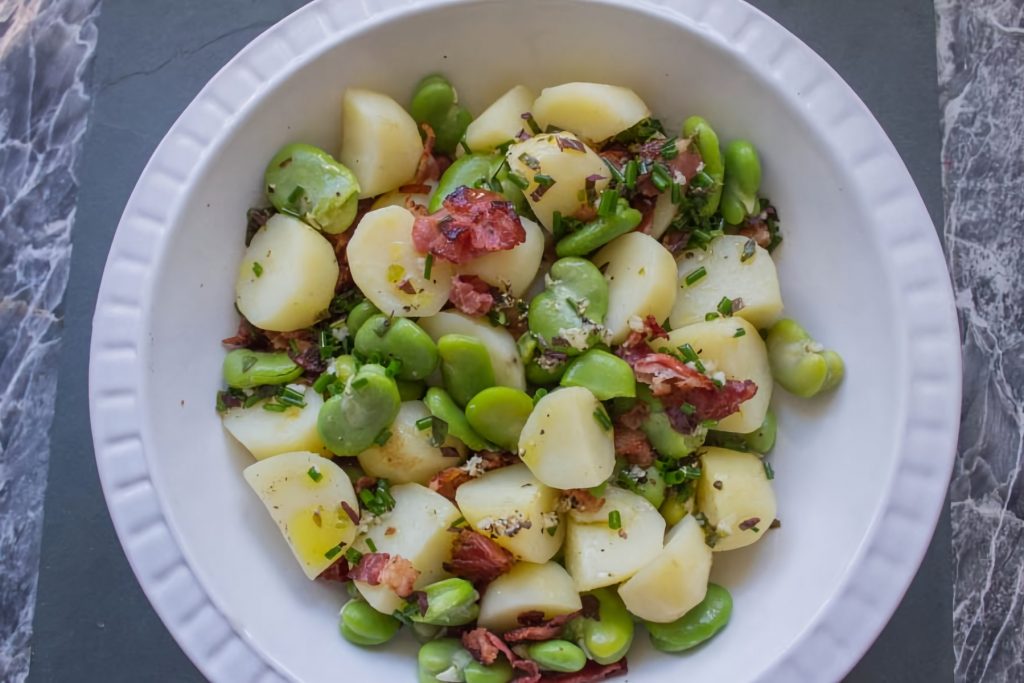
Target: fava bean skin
<point x="361" y="624"/>
<point x="350" y="422"/>
<point x="362" y="312"/>
<point x="450" y="602"/>
<point x="401" y="339"/>
<point x="439" y="656"/>
<point x="704" y="136"/>
<point x="600" y="231"/>
<point x="441" y="406"/>
<point x="345" y="367"/>
<point x="696" y="626"/>
<point x="577" y="293"/>
<point x="800" y="364"/>
<point x="435" y="102"/>
<point x="307" y="182"/>
<point x="498" y="414"/>
<point x="471" y="170"/>
<point x="245" y="369"/>
<point x="605" y="640"/>
<point x="465" y="366"/>
<point x="557" y="655"/>
<point x="742" y="181"/>
<point x="605" y="374"/>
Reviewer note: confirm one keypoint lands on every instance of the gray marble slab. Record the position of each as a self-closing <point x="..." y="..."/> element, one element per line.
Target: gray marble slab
<point x="45" y="51"/>
<point x="981" y="75"/>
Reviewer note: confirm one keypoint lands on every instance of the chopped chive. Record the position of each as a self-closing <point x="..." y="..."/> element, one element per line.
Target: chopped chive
<point x="322" y="382"/>
<point x="428" y="264"/>
<point x="371" y="545"/>
<point x="352" y="555"/>
<point x="661" y="177"/>
<point x="250" y="401"/>
<point x="557" y="227"/>
<point x="710" y="316"/>
<point x="725" y="306"/>
<point x="603" y="419"/>
<point x="609" y="200"/>
<point x="257" y="268"/>
<point x="438" y="431"/>
<point x="543" y="179"/>
<point x="614" y="520"/>
<point x="749" y="248"/>
<point x="465" y="146"/>
<point x="459" y="522"/>
<point x="424" y="422"/>
<point x="614" y="170"/>
<point x="768" y="471"/>
<point x="275" y="407"/>
<point x="539" y="394"/>
<point x="314" y="474"/>
<point x="366" y="497"/>
<point x="695" y="276"/>
<point x="739" y="332"/>
<point x="631" y="174"/>
<point x="669" y="150"/>
<point x="688" y="353"/>
<point x="333" y="552"/>
<point x="688" y="408"/>
<point x="519" y="180"/>
<point x="531" y="122"/>
<point x="709" y="424"/>
<point x="677" y="193"/>
<point x="383" y="437"/>
<point x="393" y="368"/>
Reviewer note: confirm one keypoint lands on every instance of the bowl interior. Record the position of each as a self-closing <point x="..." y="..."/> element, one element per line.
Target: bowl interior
<point x="834" y="456"/>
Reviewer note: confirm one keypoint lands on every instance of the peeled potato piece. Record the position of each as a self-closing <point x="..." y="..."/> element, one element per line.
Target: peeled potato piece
<point x="641" y="276"/>
<point x="597" y="555"/>
<point x="407" y="455"/>
<point x="387" y="268"/>
<point x="664" y="212"/>
<point x="287" y="277"/>
<point x="675" y="581"/>
<point x="741" y="506"/>
<point x="303" y="493"/>
<point x="501" y="121"/>
<point x="416" y="529"/>
<point x="513" y="268"/>
<point x="527" y="587"/>
<point x="514" y="509"/>
<point x="505" y="361"/>
<point x="380" y="142"/>
<point x="731" y="346"/>
<point x="564" y="444"/>
<point x="568" y="168"/>
<point x="265" y="433"/>
<point x="594" y="111"/>
<point x="728" y="275"/>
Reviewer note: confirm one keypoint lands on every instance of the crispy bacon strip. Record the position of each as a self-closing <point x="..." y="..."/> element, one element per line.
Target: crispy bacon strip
<point x="336" y="572"/>
<point x="684" y="164"/>
<point x="447" y="480"/>
<point x="757" y="230"/>
<point x="582" y="500"/>
<point x="245" y="337"/>
<point x="301" y="347"/>
<point x="591" y="673"/>
<point x="471" y="295"/>
<point x="365" y="482"/>
<point x="485" y="647"/>
<point x="427" y="168"/>
<point x="394" y="571"/>
<point x="477" y="558"/>
<point x="669" y="378"/>
<point x="634" y="417"/>
<point x="471" y="222"/>
<point x="545" y="630"/>
<point x="632" y="444"/>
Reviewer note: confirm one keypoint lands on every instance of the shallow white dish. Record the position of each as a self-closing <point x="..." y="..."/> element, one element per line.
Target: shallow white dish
<point x="861" y="476"/>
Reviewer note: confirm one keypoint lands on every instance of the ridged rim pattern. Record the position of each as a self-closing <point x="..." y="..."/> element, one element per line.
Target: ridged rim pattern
<point x="883" y="567"/>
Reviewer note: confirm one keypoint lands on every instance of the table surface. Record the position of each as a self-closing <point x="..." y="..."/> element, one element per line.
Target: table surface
<point x="92" y="620"/>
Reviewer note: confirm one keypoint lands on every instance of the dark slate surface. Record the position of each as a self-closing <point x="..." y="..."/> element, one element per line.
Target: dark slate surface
<point x="92" y="620"/>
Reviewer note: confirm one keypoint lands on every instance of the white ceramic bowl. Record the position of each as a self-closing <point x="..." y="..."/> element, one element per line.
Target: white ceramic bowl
<point x="861" y="474"/>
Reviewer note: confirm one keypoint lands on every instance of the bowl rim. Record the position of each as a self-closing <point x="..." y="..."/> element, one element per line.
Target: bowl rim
<point x="896" y="540"/>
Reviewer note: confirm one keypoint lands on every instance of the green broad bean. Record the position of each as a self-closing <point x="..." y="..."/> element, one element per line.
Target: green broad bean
<point x="557" y="655"/>
<point x="361" y="624"/>
<point x="547" y="374"/>
<point x="307" y="182"/>
<point x="435" y="102"/>
<point x="499" y="672"/>
<point x="344" y="367"/>
<point x="575" y="300"/>
<point x="608" y="638"/>
<point x="696" y="626"/>
<point x="498" y="414"/>
<point x="398" y="339"/>
<point x="650" y="486"/>
<point x="742" y="181"/>
<point x="350" y="422"/>
<point x="359" y="314"/>
<point x="799" y="363"/>
<point x="424" y="633"/>
<point x="465" y="366"/>
<point x="245" y="369"/>
<point x="703" y="135"/>
<point x="409" y="390"/>
<point x="450" y="602"/>
<point x="447" y="656"/>
<point x="658" y="428"/>
<point x="600" y="231"/>
<point x="605" y="374"/>
<point x="471" y="170"/>
<point x="436" y="657"/>
<point x="441" y="406"/>
<point x="761" y="440"/>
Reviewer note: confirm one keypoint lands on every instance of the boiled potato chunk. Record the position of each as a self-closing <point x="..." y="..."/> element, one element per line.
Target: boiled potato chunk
<point x="419" y="532"/>
<point x="518" y="512"/>
<point x="597" y="555"/>
<point x="594" y="111"/>
<point x="675" y="581"/>
<point x="527" y="587"/>
<point x="513" y="269"/>
<point x="664" y="212"/>
<point x="407" y="455"/>
<point x="265" y="433"/>
<point x="508" y="367"/>
<point x="738" y="357"/>
<point x="567" y="167"/>
<point x="303" y="493"/>
<point x="564" y="444"/>
<point x="501" y="121"/>
<point x="287" y="277"/>
<point x="380" y="142"/>
<point x="641" y="276"/>
<point x="742" y="507"/>
<point x="728" y="275"/>
<point x="387" y="268"/>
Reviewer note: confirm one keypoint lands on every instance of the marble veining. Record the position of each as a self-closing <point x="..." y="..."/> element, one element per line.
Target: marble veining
<point x="981" y="61"/>
<point x="45" y="52"/>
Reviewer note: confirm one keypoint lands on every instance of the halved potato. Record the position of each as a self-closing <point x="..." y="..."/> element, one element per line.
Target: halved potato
<point x="597" y="555"/>
<point x="287" y="277"/>
<point x="565" y="444"/>
<point x="513" y="508"/>
<point x="675" y="581"/>
<point x="641" y="276"/>
<point x="753" y="280"/>
<point x="741" y="505"/>
<point x="390" y="272"/>
<point x="380" y="142"/>
<point x="501" y="121"/>
<point x="594" y="111"/>
<point x="303" y="493"/>
<point x="527" y="587"/>
<point x="505" y="361"/>
<point x="265" y="433"/>
<point x="513" y="268"/>
<point x="407" y="455"/>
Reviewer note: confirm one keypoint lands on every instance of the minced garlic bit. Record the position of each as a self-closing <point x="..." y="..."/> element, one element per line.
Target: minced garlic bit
<point x="636" y="324"/>
<point x="370" y="520"/>
<point x="504" y="526"/>
<point x="580" y="337"/>
<point x="339" y="332"/>
<point x="474" y="467"/>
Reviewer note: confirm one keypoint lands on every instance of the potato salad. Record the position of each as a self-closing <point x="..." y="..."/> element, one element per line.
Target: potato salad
<point x="508" y="377"/>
